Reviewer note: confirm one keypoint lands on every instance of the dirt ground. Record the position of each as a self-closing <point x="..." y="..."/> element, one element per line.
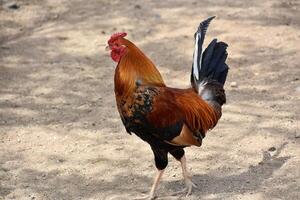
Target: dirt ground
<point x="60" y="133"/>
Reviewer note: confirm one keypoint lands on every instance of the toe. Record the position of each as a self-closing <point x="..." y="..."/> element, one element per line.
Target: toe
<point x="194" y="185"/>
<point x="189" y="182"/>
<point x="189" y="192"/>
<point x="190" y="185"/>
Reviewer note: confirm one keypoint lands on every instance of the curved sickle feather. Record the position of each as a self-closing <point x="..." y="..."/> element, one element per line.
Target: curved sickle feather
<point x="197" y="56"/>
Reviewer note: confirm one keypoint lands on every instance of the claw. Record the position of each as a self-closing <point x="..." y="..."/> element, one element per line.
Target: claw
<point x="189" y="186"/>
<point x="188" y="182"/>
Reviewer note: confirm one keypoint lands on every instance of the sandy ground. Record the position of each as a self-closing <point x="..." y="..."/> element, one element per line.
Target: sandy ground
<point x="61" y="136"/>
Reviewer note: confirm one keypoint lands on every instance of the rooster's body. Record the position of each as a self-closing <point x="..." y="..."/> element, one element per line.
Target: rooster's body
<point x="169" y="119"/>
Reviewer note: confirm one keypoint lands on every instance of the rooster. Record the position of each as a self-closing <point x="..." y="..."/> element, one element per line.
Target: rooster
<point x="169" y="119"/>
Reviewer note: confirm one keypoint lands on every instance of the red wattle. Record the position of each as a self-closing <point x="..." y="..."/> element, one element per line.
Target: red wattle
<point x="117" y="53"/>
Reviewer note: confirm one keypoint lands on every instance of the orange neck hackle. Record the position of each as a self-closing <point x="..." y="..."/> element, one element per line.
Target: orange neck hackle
<point x="134" y="67"/>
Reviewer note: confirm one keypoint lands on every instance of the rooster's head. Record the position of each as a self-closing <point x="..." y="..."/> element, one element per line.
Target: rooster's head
<point x="116" y="46"/>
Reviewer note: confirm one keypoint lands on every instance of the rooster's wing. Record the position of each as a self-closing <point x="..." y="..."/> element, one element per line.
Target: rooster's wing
<point x="176" y="116"/>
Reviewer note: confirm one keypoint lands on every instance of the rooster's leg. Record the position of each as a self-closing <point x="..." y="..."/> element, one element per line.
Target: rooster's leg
<point x="161" y="162"/>
<point x="180" y="156"/>
<point x="155" y="184"/>
<point x="188" y="182"/>
<point x="151" y="195"/>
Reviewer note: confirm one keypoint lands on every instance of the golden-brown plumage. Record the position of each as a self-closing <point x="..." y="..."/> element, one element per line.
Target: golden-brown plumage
<point x="135" y="68"/>
<point x="169" y="119"/>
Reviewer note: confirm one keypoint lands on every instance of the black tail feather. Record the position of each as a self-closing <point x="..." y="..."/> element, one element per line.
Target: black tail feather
<point x="211" y="64"/>
<point x="215" y="66"/>
<point x="207" y="55"/>
<point x="197" y="56"/>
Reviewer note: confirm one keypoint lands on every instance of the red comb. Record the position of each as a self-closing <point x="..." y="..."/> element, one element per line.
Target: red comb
<point x="117" y="35"/>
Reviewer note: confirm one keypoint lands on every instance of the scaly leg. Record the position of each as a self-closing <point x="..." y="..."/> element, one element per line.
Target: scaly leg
<point x="188" y="182"/>
<point x="155" y="184"/>
<point x="151" y="195"/>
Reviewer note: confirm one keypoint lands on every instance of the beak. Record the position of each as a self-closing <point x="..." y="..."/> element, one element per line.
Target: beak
<point x="107" y="48"/>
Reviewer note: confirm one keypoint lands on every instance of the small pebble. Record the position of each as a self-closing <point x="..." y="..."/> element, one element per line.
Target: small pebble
<point x="32" y="196"/>
<point x="233" y="84"/>
<point x="60" y="160"/>
<point x="12" y="5"/>
<point x="272" y="149"/>
<point x="137" y="7"/>
<point x="62" y="37"/>
<point x="119" y="148"/>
